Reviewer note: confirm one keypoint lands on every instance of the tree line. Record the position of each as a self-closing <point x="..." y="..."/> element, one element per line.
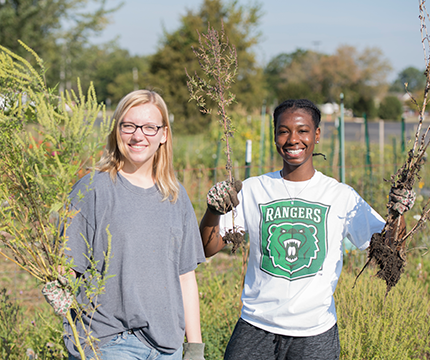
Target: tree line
<point x="58" y="30"/>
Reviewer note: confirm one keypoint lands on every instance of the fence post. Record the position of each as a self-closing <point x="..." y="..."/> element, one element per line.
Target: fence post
<point x="342" y="141"/>
<point x="271" y="141"/>
<point x="368" y="161"/>
<point x="248" y="158"/>
<point x="262" y="136"/>
<point x="381" y="143"/>
<point x="366" y="135"/>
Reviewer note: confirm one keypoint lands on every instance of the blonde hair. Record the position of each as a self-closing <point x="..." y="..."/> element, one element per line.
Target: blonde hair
<point x="113" y="157"/>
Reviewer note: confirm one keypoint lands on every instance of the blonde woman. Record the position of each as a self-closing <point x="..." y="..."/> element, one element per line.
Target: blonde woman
<point x="152" y="301"/>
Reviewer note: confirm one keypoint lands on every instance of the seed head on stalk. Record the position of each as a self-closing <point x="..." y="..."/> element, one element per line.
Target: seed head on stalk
<point x="389" y="252"/>
<point x="218" y="60"/>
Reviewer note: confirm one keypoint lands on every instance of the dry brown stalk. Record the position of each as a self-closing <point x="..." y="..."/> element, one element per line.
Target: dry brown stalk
<point x="218" y="60"/>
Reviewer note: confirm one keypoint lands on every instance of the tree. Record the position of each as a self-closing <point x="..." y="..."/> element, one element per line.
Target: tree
<point x="391" y="108"/>
<point x="415" y="79"/>
<point x="321" y="78"/>
<point x="289" y="76"/>
<point x="111" y="69"/>
<point x="167" y="65"/>
<point x="57" y="30"/>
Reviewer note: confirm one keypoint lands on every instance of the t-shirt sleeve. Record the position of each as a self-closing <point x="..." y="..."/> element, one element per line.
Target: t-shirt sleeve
<point x="362" y="221"/>
<point x="81" y="228"/>
<point x="192" y="252"/>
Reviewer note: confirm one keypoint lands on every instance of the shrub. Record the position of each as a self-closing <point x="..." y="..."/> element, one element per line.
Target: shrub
<point x="374" y="327"/>
<point x="391" y="108"/>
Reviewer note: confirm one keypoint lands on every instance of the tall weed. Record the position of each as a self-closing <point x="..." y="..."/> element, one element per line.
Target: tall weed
<point x="372" y="326"/>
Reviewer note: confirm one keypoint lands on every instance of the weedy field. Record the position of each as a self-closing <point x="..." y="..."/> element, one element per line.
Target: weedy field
<point x="371" y="327"/>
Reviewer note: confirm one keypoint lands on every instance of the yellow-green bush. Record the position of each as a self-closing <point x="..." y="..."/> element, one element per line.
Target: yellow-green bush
<point x="372" y="326"/>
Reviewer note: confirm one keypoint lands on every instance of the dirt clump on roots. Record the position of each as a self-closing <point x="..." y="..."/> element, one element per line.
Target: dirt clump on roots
<point x="235" y="237"/>
<point x="391" y="262"/>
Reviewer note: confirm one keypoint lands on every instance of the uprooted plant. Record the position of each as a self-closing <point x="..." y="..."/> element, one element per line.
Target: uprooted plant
<point x="218" y="60"/>
<point x="388" y="248"/>
<point x="45" y="141"/>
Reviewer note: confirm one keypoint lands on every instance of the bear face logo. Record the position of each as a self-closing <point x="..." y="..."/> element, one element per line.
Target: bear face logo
<point x="292" y="247"/>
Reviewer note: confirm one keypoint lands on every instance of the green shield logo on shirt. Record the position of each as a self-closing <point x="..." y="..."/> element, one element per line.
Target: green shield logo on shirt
<point x="293" y="238"/>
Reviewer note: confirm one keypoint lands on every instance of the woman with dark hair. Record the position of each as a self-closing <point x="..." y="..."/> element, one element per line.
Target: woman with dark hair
<point x="296" y="219"/>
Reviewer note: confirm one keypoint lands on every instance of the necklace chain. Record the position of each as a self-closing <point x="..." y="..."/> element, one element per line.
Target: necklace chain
<point x="285" y="186"/>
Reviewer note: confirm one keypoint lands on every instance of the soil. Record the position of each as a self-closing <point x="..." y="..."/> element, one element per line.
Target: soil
<point x="235" y="237"/>
<point x="390" y="262"/>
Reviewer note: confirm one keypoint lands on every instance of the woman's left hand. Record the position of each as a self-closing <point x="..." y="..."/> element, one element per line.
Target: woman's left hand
<point x="194" y="351"/>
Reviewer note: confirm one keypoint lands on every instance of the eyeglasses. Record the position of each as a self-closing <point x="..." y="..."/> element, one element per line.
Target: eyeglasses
<point x="147" y="129"/>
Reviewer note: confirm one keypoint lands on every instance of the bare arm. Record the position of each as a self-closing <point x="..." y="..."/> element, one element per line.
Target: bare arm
<point x="190" y="297"/>
<point x="209" y="230"/>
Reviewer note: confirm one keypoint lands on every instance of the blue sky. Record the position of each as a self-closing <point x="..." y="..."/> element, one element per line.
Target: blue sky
<point x="323" y="25"/>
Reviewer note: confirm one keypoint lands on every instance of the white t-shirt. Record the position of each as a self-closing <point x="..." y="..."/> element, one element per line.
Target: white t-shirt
<point x="296" y="231"/>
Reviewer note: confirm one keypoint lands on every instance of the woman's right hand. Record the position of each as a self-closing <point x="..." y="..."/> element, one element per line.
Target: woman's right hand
<point x="222" y="197"/>
<point x="58" y="294"/>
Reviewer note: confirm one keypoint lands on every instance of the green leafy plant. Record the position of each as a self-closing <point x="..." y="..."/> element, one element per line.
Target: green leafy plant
<point x="11" y="329"/>
<point x="373" y="326"/>
<point x="46" y="141"/>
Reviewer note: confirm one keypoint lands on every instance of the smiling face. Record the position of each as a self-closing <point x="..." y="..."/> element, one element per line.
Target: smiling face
<point x="139" y="148"/>
<point x="295" y="137"/>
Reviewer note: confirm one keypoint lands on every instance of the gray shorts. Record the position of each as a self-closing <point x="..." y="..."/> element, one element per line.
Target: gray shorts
<point x="251" y="343"/>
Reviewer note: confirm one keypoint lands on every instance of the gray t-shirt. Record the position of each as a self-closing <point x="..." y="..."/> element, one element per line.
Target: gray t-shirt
<point x="153" y="242"/>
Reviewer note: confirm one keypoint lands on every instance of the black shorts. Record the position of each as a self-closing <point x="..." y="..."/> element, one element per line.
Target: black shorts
<point x="251" y="343"/>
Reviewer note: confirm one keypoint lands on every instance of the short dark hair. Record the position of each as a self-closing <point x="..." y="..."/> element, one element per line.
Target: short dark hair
<point x="295" y="104"/>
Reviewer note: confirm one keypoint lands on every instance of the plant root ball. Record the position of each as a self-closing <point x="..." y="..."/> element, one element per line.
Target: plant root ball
<point x="235" y="237"/>
<point x="391" y="265"/>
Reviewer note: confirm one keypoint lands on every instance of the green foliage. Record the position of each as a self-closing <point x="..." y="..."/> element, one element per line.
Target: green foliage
<point x="44" y="336"/>
<point x="374" y="327"/>
<point x="364" y="104"/>
<point x="45" y="141"/>
<point x="414" y="78"/>
<point x="21" y="338"/>
<point x="219" y="302"/>
<point x="11" y="329"/>
<point x="166" y="69"/>
<point x="57" y="30"/>
<point x="321" y="77"/>
<point x="111" y="70"/>
<point x="289" y="76"/>
<point x="391" y="108"/>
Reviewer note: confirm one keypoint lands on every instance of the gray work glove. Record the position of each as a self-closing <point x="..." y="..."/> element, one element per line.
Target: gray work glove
<point x="194" y="351"/>
<point x="57" y="293"/>
<point x="222" y="197"/>
<point x="401" y="200"/>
